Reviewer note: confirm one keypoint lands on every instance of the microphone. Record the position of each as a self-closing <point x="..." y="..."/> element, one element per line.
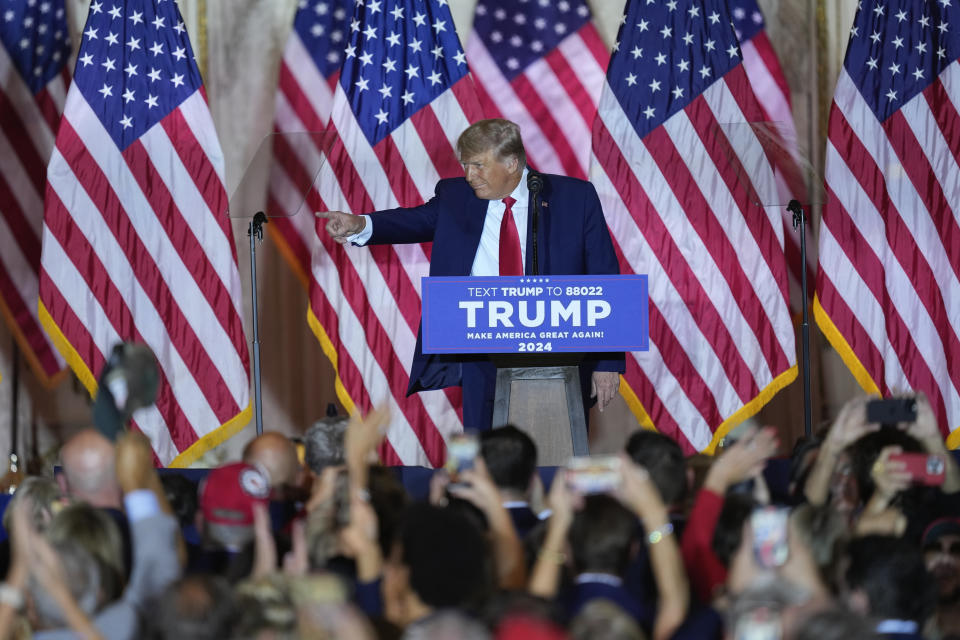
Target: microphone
<point x="534" y="182"/>
<point x="535" y="185"/>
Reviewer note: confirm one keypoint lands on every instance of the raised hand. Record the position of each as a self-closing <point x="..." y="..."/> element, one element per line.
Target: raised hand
<point x="341" y="225"/>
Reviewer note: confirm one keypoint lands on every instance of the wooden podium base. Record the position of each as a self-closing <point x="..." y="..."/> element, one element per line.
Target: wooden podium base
<point x="545" y="402"/>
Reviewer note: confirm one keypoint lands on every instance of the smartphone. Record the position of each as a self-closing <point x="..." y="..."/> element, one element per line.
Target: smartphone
<point x="924" y="468"/>
<point x="588" y="475"/>
<point x="770" y="544"/>
<point x="759" y="624"/>
<point x="462" y="451"/>
<point x="890" y="411"/>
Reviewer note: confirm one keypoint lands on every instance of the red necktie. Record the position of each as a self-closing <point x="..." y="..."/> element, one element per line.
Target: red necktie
<point x="511" y="260"/>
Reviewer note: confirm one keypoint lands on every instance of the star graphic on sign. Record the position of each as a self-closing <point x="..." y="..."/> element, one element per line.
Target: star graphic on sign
<point x="154" y="75"/>
<point x="86" y="59"/>
<point x="394" y="39"/>
<point x="407" y="97"/>
<point x="126" y="121"/>
<point x="649" y="112"/>
<point x="362" y="84"/>
<point x="134" y="43"/>
<point x="157" y="48"/>
<point x="366" y="58"/>
<point x="390" y="65"/>
<point x="434" y="78"/>
<point x="106" y="90"/>
<point x="654" y="86"/>
<point x="114" y="12"/>
<point x="420" y="19"/>
<point x="177" y="79"/>
<point x="412" y="72"/>
<point x="631" y="79"/>
<point x="131" y="69"/>
<point x="108" y="64"/>
<point x="128" y="95"/>
<point x="386" y="91"/>
<point x="151" y="101"/>
<point x="677" y="93"/>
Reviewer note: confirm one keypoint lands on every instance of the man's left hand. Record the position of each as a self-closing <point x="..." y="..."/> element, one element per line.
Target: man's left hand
<point x="604" y="387"/>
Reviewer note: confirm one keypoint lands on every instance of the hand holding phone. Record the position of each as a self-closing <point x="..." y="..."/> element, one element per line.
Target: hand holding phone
<point x="770" y="544"/>
<point x="892" y="411"/>
<point x="462" y="451"/>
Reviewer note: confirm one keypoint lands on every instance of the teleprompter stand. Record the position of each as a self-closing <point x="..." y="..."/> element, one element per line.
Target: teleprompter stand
<point x="541" y="396"/>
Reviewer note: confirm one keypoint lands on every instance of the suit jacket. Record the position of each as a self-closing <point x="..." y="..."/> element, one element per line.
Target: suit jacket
<point x="572" y="239"/>
<point x="579" y="595"/>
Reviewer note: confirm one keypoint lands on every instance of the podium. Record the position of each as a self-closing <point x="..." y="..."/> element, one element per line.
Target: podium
<point x="542" y="397"/>
<point x="535" y="330"/>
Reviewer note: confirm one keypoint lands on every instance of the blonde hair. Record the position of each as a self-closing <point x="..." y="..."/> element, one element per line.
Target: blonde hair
<point x="497" y="135"/>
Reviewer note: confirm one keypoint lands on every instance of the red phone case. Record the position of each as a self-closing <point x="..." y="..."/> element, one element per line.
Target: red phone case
<point x="925" y="468"/>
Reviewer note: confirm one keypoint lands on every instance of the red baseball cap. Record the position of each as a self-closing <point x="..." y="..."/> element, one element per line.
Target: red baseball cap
<point x="228" y="494"/>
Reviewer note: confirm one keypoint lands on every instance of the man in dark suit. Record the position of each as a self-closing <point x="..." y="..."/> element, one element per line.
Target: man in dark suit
<point x="481" y="225"/>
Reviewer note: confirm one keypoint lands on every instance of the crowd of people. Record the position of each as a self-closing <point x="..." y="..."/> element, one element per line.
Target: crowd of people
<point x="322" y="542"/>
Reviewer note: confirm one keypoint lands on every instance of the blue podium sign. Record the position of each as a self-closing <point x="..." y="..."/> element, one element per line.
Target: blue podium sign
<point x="529" y="314"/>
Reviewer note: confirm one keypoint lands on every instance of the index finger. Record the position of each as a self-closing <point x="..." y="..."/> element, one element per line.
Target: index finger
<point x="326" y="215"/>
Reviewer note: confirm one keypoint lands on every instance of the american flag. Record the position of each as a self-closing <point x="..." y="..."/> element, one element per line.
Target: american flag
<point x="541" y="64"/>
<point x="402" y="99"/>
<point x="770" y="86"/>
<point x="721" y="337"/>
<point x="308" y="77"/>
<point x="888" y="289"/>
<point x="137" y="244"/>
<point x="33" y="86"/>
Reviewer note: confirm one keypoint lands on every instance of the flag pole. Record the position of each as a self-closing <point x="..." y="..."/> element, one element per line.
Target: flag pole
<point x="800" y="222"/>
<point x="255" y="232"/>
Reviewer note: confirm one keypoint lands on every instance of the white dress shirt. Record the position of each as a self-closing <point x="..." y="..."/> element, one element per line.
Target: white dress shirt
<point x="487" y="260"/>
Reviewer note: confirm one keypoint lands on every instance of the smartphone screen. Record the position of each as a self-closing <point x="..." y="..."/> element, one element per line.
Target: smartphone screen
<point x="770" y="544"/>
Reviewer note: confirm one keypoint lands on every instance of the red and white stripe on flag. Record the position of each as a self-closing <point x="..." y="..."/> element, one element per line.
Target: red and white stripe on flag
<point x="670" y="180"/>
<point x="396" y="120"/>
<point x="34" y="48"/>
<point x="541" y="65"/>
<point x="888" y="288"/>
<point x="308" y="78"/>
<point x="773" y="93"/>
<point x="137" y="244"/>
